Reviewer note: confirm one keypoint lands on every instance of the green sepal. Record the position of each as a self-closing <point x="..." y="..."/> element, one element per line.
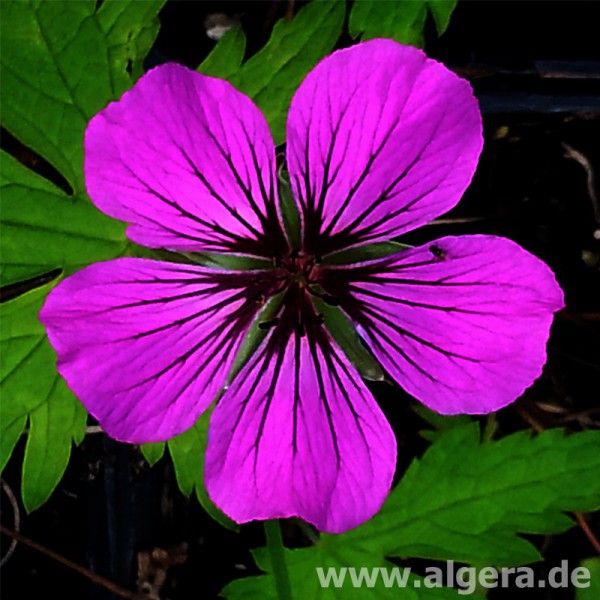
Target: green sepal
<point x="344" y="333"/>
<point x="364" y="253"/>
<point x="289" y="212"/>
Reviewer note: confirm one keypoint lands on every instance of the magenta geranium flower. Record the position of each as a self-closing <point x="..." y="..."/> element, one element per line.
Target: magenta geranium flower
<point x="380" y="140"/>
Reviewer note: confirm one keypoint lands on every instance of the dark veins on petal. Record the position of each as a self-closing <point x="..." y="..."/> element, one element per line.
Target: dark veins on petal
<point x="344" y="284"/>
<point x="298" y="328"/>
<point x="251" y="288"/>
<point x="268" y="242"/>
<point x="320" y="236"/>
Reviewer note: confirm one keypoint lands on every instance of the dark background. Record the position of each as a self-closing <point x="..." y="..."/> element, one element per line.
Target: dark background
<point x="535" y="67"/>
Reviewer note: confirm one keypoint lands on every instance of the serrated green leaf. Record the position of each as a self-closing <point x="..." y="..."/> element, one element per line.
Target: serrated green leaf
<point x="153" y="452"/>
<point x="43" y="228"/>
<point x="62" y="62"/>
<point x="474" y="499"/>
<point x="130" y="28"/>
<point x="439" y="422"/>
<point x="463" y="501"/>
<point x="32" y="389"/>
<point x="187" y="453"/>
<point x="226" y="57"/>
<point x="403" y="21"/>
<point x="9" y="436"/>
<point x="272" y="75"/>
<point x="53" y="427"/>
<point x="441" y="11"/>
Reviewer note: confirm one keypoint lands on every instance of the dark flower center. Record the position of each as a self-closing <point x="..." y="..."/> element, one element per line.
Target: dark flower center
<point x="297" y="276"/>
<point x="299" y="268"/>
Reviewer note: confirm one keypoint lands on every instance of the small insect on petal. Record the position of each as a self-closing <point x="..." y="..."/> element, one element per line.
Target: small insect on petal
<point x="437" y="251"/>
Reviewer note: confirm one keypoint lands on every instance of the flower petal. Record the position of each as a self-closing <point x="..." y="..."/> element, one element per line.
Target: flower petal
<point x="461" y="323"/>
<point x="380" y="140"/>
<point x="298" y="434"/>
<point x="146" y="345"/>
<point x="188" y="161"/>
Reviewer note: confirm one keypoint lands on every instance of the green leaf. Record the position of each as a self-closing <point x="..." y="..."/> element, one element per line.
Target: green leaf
<point x="187" y="452"/>
<point x="53" y="426"/>
<point x="43" y="228"/>
<point x="130" y="28"/>
<point x="439" y="422"/>
<point x="32" y="390"/>
<point x="463" y="501"/>
<point x="271" y="76"/>
<point x="226" y="57"/>
<point x="441" y="11"/>
<point x="592" y="592"/>
<point x="10" y="432"/>
<point x="153" y="452"/>
<point x="466" y="501"/>
<point x="403" y="20"/>
<point x="62" y="62"/>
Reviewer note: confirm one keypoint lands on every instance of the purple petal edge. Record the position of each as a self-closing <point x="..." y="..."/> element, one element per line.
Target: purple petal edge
<point x="146" y="345"/>
<point x="298" y="434"/>
<point x="460" y="323"/>
<point x="411" y="127"/>
<point x="189" y="162"/>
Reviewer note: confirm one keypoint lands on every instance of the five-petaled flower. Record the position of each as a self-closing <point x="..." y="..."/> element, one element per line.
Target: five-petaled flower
<point x="380" y="140"/>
